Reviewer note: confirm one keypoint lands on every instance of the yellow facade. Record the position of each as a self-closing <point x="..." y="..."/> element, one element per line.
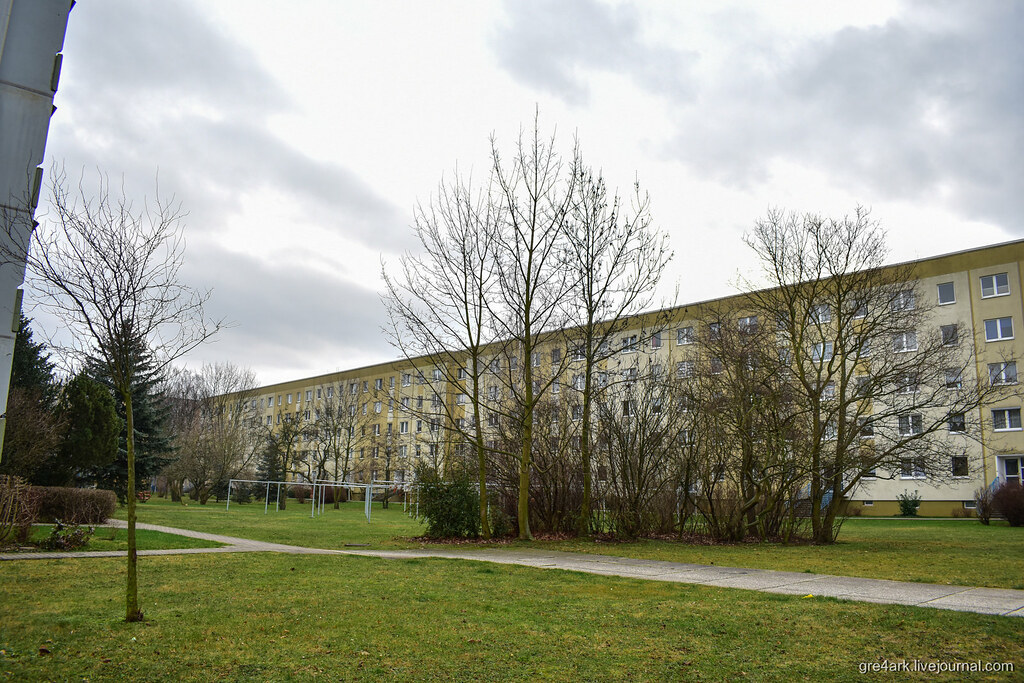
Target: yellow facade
<point x="978" y="287"/>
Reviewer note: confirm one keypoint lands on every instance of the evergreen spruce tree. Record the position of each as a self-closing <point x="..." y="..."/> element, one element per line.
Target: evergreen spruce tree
<point x="31" y="367"/>
<point x="151" y="413"/>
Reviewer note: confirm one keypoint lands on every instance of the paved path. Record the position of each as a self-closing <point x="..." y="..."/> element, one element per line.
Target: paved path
<point x="1001" y="601"/>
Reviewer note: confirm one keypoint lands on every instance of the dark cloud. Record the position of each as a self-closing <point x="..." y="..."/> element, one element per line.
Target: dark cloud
<point x="147" y="89"/>
<point x="924" y="108"/>
<point x="285" y="316"/>
<point x="552" y="45"/>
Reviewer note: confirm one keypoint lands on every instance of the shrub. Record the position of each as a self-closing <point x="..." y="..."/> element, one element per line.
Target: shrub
<point x="75" y="506"/>
<point x="143" y="496"/>
<point x="1008" y="500"/>
<point x="909" y="502"/>
<point x="983" y="504"/>
<point x="854" y="510"/>
<point x="451" y="507"/>
<point x="961" y="512"/>
<point x="66" y="537"/>
<point x="301" y="493"/>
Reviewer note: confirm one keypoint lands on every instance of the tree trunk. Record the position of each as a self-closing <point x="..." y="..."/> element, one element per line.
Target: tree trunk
<point x="524" y="482"/>
<point x="584" y="525"/>
<point x="132" y="612"/>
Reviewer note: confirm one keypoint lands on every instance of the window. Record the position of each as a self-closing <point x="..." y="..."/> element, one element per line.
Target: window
<point x="309" y="394"/>
<point x="419" y="402"/>
<point x="907" y="384"/>
<point x="289" y="399"/>
<point x="513" y="363"/>
<point x="656" y="340"/>
<point x="957" y="423"/>
<point x="492" y="392"/>
<point x="998" y="328"/>
<point x="1003" y="373"/>
<point x="947" y="293"/>
<point x="378" y="383"/>
<point x="435" y="400"/>
<point x="556" y="387"/>
<point x="954" y="379"/>
<point x="434" y="425"/>
<point x="950" y="335"/>
<point x="994" y="285"/>
<point x="904" y="342"/>
<point x="860" y="309"/>
<point x="438" y="375"/>
<point x="1006" y="419"/>
<point x="748" y="324"/>
<point x="782" y="322"/>
<point x="390" y="425"/>
<point x="715" y="331"/>
<point x="867" y="428"/>
<point x="865" y="348"/>
<point x="391" y="405"/>
<point x="578" y="353"/>
<point x="602" y="379"/>
<point x="492" y="419"/>
<point x="405" y="403"/>
<point x="911" y="468"/>
<point x="629" y="374"/>
<point x="536" y="386"/>
<point x="420" y="379"/>
<point x="861" y="386"/>
<point x="717" y="367"/>
<point x="535" y="358"/>
<point x="822" y="351"/>
<point x="495" y="365"/>
<point x="684" y="335"/>
<point x="684" y="369"/>
<point x="556" y="356"/>
<point x="406" y="379"/>
<point x="279" y="399"/>
<point x="330" y="392"/>
<point x="910" y="425"/>
<point x="391" y="382"/>
<point x="829" y="390"/>
<point x="629" y="343"/>
<point x="376" y="430"/>
<point x="627" y="408"/>
<point x="353" y="388"/>
<point x="820" y="313"/>
<point x="376" y="406"/>
<point x="460" y="399"/>
<point x="419" y="425"/>
<point x="577" y="412"/>
<point x="903" y="301"/>
<point x="461" y="374"/>
<point x="366" y="387"/>
<point x="351" y="411"/>
<point x="268" y="420"/>
<point x="1012" y="469"/>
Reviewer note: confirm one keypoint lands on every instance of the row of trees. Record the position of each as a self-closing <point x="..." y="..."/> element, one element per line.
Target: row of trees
<point x="830" y="369"/>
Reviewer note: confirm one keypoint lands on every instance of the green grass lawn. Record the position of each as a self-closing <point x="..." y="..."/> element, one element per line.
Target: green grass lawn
<point x="266" y="616"/>
<point x="107" y="538"/>
<point x="960" y="552"/>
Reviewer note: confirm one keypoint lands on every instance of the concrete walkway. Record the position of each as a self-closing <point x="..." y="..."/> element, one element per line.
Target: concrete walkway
<point x="1000" y="601"/>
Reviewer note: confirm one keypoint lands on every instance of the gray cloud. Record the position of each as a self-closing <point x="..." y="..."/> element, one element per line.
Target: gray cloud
<point x="551" y="45"/>
<point x="923" y="108"/>
<point x="283" y="316"/>
<point x="926" y="107"/>
<point x="145" y="89"/>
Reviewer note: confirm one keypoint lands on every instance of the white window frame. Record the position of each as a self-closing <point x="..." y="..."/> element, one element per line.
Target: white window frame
<point x="915" y="467"/>
<point x="910" y="424"/>
<point x="1007" y="419"/>
<point x="903" y="301"/>
<point x="823" y="351"/>
<point x="938" y="293"/>
<point x="904" y="342"/>
<point x="947" y="338"/>
<point x="961" y="421"/>
<point x="997" y="373"/>
<point x="820" y="313"/>
<point x="999" y="330"/>
<point x="656" y="340"/>
<point x="994" y="285"/>
<point x="684" y="336"/>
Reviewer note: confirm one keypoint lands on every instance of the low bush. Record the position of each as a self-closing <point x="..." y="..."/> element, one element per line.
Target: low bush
<point x="300" y="493"/>
<point x="66" y="537"/>
<point x="909" y="502"/>
<point x="983" y="504"/>
<point x="74" y="506"/>
<point x="451" y="506"/>
<point x="1008" y="501"/>
<point x="961" y="512"/>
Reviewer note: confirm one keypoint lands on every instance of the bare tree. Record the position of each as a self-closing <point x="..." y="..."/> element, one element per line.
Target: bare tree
<point x="334" y="431"/>
<point x="536" y="191"/>
<point x="617" y="258"/>
<point x="875" y="383"/>
<point x="218" y="434"/>
<point x="437" y="303"/>
<point x="110" y="273"/>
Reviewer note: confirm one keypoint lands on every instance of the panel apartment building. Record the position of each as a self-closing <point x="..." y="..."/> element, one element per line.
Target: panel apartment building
<point x="400" y="406"/>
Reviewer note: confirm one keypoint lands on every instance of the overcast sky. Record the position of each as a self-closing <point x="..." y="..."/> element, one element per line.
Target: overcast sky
<point x="300" y="135"/>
